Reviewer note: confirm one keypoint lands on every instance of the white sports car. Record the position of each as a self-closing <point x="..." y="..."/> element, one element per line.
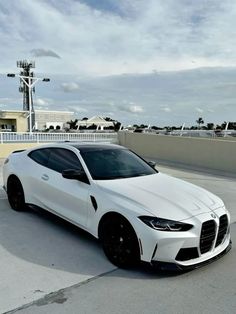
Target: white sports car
<point x="137" y="212"/>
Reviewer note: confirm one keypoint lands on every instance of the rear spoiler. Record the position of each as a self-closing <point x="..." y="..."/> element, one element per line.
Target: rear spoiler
<point x="18" y="151"/>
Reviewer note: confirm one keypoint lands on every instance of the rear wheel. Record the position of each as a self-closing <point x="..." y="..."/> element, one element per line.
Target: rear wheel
<point x="119" y="241"/>
<point x="15" y="194"/>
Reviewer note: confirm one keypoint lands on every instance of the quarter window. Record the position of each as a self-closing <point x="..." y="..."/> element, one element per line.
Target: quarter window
<point x="62" y="159"/>
<point x="40" y="156"/>
<point x="57" y="159"/>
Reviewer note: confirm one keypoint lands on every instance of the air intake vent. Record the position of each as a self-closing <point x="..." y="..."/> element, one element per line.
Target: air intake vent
<point x="187" y="254"/>
<point x="208" y="235"/>
<point x="223" y="227"/>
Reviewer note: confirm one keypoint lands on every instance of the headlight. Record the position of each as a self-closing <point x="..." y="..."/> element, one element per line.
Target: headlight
<point x="165" y="224"/>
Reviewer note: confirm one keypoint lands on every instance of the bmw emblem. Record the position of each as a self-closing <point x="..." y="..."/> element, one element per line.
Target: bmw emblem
<point x="213" y="216"/>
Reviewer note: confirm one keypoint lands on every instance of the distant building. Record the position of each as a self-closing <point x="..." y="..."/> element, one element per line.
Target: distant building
<point x="96" y="120"/>
<point x="13" y="120"/>
<point x="45" y="119"/>
<point x="16" y="120"/>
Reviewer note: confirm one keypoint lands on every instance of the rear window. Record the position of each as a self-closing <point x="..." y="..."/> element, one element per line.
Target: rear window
<point x="57" y="159"/>
<point x="40" y="156"/>
<point x="63" y="159"/>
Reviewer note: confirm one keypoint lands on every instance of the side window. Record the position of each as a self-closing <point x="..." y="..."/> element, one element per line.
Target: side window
<point x="61" y="159"/>
<point x="40" y="156"/>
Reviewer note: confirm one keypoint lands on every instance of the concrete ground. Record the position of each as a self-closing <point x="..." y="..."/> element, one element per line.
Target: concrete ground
<point x="48" y="266"/>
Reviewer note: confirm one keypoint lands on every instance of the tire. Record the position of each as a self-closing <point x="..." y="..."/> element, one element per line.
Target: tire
<point x="119" y="241"/>
<point x="15" y="193"/>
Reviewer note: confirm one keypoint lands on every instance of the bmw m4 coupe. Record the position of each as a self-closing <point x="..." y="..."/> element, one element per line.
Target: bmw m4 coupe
<point x="138" y="213"/>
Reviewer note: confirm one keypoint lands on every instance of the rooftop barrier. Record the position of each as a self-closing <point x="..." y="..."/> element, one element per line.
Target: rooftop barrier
<point x="43" y="137"/>
<point x="206" y="153"/>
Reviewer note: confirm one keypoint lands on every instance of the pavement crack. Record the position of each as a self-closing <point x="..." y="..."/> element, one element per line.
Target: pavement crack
<point x="59" y="295"/>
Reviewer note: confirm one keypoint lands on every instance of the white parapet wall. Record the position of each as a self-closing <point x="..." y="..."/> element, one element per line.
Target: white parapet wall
<point x="212" y="154"/>
<point x="7" y="149"/>
<point x="10" y="141"/>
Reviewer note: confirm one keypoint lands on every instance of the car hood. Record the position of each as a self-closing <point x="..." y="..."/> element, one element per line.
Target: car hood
<point x="161" y="195"/>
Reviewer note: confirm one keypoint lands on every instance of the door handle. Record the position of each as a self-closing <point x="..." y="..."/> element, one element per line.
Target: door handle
<point x="45" y="177"/>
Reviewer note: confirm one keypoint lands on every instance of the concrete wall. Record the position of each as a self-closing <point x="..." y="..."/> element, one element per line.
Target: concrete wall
<point x="213" y="154"/>
<point x="18" y="119"/>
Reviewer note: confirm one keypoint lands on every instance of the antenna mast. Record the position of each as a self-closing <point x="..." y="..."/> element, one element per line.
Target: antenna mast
<point x="26" y="71"/>
<point x="26" y="67"/>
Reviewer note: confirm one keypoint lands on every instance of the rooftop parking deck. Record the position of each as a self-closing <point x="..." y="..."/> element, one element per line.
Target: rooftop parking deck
<point x="49" y="266"/>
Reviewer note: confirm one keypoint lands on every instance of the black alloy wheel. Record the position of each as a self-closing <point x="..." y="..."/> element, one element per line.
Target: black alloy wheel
<point x="119" y="241"/>
<point x="15" y="194"/>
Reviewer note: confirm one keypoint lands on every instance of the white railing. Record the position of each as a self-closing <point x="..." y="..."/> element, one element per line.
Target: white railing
<point x="18" y="137"/>
<point x="199" y="133"/>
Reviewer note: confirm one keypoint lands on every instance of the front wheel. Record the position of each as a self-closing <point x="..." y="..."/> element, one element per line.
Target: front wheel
<point x="119" y="241"/>
<point x="15" y="194"/>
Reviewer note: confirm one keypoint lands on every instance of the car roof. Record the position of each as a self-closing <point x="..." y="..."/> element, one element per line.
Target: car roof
<point x="85" y="147"/>
<point x="80" y="146"/>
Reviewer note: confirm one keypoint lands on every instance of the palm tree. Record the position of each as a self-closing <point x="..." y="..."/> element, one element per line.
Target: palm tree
<point x="73" y="124"/>
<point x="199" y="122"/>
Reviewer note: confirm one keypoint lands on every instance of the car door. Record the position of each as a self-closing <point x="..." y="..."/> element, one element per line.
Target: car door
<point x="66" y="197"/>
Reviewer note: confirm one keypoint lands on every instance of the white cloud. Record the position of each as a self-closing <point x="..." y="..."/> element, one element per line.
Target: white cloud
<point x="132" y="36"/>
<point x="199" y="110"/>
<point x="76" y="109"/>
<point x="166" y="109"/>
<point x="41" y="102"/>
<point x="44" y="53"/>
<point x="115" y="37"/>
<point x="131" y="108"/>
<point x="136" y="109"/>
<point x="70" y="87"/>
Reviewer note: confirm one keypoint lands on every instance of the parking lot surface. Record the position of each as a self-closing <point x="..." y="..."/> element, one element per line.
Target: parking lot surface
<point x="49" y="266"/>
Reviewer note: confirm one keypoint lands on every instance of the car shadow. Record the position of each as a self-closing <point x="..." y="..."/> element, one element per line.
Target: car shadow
<point x="42" y="238"/>
<point x="142" y="268"/>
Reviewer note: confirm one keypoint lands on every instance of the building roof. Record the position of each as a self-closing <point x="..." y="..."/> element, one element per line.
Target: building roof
<point x="97" y="120"/>
<point x="18" y="111"/>
<point x="53" y="111"/>
<point x="39" y="111"/>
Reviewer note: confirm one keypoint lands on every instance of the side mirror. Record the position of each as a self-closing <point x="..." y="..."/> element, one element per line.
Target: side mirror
<point x="152" y="164"/>
<point x="75" y="174"/>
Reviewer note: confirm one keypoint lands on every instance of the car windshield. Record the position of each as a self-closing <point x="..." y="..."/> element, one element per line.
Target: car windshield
<point x="115" y="164"/>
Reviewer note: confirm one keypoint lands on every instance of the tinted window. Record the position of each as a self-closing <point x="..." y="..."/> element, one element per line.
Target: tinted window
<point x="57" y="159"/>
<point x="61" y="159"/>
<point x="115" y="163"/>
<point x="40" y="156"/>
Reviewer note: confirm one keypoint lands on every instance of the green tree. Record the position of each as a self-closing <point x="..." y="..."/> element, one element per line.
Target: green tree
<point x="199" y="122"/>
<point x="117" y="125"/>
<point x="210" y="126"/>
<point x="108" y="119"/>
<point x="73" y="124"/>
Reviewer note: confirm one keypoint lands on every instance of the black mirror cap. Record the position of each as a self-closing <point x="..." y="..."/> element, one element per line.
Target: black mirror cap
<point x="152" y="164"/>
<point x="75" y="174"/>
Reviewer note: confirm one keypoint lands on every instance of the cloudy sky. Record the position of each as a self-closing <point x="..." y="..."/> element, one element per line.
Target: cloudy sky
<point x="138" y="61"/>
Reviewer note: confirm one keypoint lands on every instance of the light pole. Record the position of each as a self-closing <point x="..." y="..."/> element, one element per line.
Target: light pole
<point x="29" y="81"/>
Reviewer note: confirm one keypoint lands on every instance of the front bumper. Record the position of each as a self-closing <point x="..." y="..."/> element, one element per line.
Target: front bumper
<point x="185" y="249"/>
<point x="177" y="267"/>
